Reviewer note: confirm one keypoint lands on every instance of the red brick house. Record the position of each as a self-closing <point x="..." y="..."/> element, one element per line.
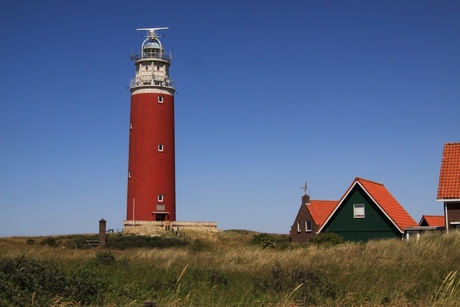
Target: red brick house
<point x="449" y="185"/>
<point x="310" y="218"/>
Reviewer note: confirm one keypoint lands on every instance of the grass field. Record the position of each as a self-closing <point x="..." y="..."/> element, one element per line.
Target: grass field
<point x="230" y="268"/>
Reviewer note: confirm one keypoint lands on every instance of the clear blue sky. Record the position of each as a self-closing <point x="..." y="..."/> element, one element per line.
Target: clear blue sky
<point x="269" y="94"/>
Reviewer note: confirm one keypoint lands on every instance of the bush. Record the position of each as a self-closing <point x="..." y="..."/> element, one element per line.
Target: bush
<point x="199" y="246"/>
<point x="105" y="258"/>
<point x="49" y="241"/>
<point x="311" y="287"/>
<point x="126" y="242"/>
<point x="328" y="238"/>
<point x="264" y="239"/>
<point x="27" y="280"/>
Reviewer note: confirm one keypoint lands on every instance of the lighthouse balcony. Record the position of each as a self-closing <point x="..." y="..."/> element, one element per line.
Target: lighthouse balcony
<point x="151" y="55"/>
<point x="150" y="81"/>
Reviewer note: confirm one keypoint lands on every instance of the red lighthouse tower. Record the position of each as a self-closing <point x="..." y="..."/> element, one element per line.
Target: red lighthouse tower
<point x="151" y="165"/>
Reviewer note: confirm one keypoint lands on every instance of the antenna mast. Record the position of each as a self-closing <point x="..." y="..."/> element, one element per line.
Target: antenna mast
<point x="304" y="187"/>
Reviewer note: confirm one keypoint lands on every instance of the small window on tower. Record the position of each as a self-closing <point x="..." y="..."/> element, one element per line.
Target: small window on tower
<point x="129" y="175"/>
<point x="160" y="147"/>
<point x="160" y="99"/>
<point x="160" y="198"/>
<point x="130" y="126"/>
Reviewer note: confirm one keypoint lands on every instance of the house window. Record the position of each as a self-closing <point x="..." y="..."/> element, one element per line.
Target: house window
<point x="160" y="198"/>
<point x="160" y="147"/>
<point x="307" y="226"/>
<point x="298" y="227"/>
<point x="160" y="99"/>
<point x="358" y="211"/>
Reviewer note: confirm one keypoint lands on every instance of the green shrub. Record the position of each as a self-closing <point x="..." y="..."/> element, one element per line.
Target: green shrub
<point x="105" y="258"/>
<point x="312" y="287"/>
<point x="199" y="246"/>
<point x="127" y="242"/>
<point x="49" y="241"/>
<point x="328" y="238"/>
<point x="25" y="280"/>
<point x="264" y="239"/>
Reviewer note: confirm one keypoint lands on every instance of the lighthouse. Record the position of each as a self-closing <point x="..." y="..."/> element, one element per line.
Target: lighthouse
<point x="151" y="162"/>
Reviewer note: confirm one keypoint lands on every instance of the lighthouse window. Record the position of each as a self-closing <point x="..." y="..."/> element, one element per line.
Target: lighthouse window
<point x="160" y="198"/>
<point x="160" y="99"/>
<point x="160" y="147"/>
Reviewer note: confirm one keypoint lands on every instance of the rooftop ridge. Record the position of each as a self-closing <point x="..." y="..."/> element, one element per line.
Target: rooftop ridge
<point x="360" y="178"/>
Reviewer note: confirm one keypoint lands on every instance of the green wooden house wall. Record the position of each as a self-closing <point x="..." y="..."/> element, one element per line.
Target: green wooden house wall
<point x="375" y="224"/>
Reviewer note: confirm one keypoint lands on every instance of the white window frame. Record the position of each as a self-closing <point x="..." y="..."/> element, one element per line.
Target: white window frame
<point x="359" y="211"/>
<point x="161" y="147"/>
<point x="160" y="99"/>
<point x="307" y="226"/>
<point x="160" y="198"/>
<point x="298" y="227"/>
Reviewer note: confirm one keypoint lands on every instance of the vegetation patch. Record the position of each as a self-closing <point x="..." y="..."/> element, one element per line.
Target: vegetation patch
<point x="24" y="281"/>
<point x="328" y="238"/>
<point x="127" y="242"/>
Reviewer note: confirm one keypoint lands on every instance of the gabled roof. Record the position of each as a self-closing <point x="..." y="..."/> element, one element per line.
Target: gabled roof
<point x="383" y="199"/>
<point x="449" y="176"/>
<point x="321" y="209"/>
<point x="433" y="220"/>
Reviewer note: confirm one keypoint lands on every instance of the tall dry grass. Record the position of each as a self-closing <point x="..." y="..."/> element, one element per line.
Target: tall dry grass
<point x="231" y="272"/>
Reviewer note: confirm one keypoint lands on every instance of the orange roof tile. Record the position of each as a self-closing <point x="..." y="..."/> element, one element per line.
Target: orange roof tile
<point x="449" y="176"/>
<point x="321" y="209"/>
<point x="433" y="220"/>
<point x="388" y="204"/>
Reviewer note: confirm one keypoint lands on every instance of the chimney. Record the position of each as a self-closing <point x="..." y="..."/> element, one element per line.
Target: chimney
<point x="306" y="199"/>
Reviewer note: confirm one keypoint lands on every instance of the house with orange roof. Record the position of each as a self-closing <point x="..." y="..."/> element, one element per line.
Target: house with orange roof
<point x="432" y="220"/>
<point x="366" y="211"/>
<point x="449" y="185"/>
<point x="310" y="218"/>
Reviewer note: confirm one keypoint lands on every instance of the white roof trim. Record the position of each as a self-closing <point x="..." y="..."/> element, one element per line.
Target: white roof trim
<point x="448" y="199"/>
<point x="345" y="196"/>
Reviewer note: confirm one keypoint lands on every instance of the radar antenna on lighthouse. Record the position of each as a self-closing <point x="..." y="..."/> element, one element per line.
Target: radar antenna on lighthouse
<point x="152" y="31"/>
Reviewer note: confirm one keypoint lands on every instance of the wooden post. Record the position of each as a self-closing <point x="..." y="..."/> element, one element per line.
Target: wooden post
<point x="102" y="231"/>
